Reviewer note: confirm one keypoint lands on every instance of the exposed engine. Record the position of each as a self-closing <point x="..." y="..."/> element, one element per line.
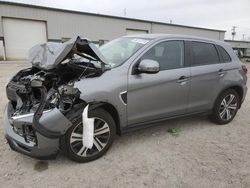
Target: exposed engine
<point x="41" y="96"/>
<point x="32" y="87"/>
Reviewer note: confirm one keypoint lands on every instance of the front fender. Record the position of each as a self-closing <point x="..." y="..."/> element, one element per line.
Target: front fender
<point x="106" y="89"/>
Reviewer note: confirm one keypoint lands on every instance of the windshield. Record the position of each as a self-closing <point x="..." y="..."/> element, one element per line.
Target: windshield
<point x="119" y="50"/>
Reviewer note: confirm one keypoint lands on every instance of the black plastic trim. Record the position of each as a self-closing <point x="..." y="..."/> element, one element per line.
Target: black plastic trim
<point x="36" y="124"/>
<point x="124" y="97"/>
<point x="142" y="125"/>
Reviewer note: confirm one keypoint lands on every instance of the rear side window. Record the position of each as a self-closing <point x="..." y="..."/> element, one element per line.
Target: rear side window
<point x="204" y="53"/>
<point x="223" y="54"/>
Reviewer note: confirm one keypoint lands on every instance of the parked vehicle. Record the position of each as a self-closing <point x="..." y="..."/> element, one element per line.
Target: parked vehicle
<point x="128" y="83"/>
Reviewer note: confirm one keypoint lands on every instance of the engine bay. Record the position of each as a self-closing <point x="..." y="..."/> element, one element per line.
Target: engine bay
<point x="55" y="88"/>
<point x="49" y="83"/>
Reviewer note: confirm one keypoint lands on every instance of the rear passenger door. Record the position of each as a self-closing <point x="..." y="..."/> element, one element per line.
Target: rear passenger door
<point x="207" y="72"/>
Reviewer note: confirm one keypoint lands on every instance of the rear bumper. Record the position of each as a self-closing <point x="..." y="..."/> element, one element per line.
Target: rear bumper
<point x="244" y="93"/>
<point x="42" y="148"/>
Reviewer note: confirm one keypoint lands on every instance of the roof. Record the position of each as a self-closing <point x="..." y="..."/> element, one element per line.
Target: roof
<point x="103" y="15"/>
<point x="162" y="35"/>
<point x="175" y="36"/>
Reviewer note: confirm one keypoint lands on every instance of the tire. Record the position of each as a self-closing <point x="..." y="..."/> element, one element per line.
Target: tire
<point x="224" y="113"/>
<point x="73" y="141"/>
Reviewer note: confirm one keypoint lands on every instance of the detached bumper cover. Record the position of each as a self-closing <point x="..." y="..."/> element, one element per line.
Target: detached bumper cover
<point x="42" y="148"/>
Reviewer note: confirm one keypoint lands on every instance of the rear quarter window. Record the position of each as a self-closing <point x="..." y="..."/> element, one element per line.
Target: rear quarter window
<point x="224" y="56"/>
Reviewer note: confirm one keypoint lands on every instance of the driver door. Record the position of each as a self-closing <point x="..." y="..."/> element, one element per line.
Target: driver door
<point x="152" y="97"/>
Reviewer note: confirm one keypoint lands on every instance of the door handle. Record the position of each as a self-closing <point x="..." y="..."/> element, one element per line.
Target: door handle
<point x="221" y="72"/>
<point x="182" y="80"/>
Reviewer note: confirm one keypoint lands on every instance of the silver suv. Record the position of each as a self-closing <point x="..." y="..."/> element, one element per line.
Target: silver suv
<point x="75" y="98"/>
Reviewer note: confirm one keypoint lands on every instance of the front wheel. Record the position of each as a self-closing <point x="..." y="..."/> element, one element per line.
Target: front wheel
<point x="226" y="107"/>
<point x="104" y="134"/>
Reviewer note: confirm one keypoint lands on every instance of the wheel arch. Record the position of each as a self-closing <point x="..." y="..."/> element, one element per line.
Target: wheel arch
<point x="111" y="110"/>
<point x="239" y="90"/>
<point x="236" y="88"/>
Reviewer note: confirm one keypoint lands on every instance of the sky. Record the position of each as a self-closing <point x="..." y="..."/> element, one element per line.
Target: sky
<point x="213" y="14"/>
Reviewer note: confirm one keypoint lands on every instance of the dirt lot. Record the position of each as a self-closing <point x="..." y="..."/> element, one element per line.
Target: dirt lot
<point x="202" y="155"/>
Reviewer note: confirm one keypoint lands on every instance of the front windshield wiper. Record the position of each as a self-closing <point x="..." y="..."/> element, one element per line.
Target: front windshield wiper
<point x="86" y="56"/>
<point x="103" y="65"/>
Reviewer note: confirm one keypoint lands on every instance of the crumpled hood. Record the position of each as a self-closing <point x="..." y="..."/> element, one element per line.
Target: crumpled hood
<point x="48" y="55"/>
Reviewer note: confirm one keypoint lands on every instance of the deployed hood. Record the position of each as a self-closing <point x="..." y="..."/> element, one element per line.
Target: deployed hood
<point x="49" y="55"/>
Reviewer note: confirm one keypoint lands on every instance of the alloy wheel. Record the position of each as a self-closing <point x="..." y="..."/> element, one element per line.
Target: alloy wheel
<point x="228" y="107"/>
<point x="101" y="138"/>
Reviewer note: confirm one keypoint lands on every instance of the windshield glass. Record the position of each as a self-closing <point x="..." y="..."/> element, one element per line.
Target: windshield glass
<point x="119" y="50"/>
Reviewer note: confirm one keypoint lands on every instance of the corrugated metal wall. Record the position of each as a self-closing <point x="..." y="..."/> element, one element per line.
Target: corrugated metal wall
<point x="67" y="24"/>
<point x="244" y="46"/>
<point x="248" y="52"/>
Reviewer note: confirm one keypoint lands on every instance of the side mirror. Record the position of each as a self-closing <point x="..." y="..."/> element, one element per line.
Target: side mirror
<point x="148" y="66"/>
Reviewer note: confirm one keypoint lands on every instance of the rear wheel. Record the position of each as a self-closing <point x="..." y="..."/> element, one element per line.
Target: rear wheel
<point x="226" y="107"/>
<point x="104" y="134"/>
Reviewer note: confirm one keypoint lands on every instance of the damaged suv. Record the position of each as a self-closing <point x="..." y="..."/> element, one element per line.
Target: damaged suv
<point x="75" y="98"/>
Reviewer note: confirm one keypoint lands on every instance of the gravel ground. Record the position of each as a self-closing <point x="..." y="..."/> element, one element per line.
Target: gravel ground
<point x="201" y="155"/>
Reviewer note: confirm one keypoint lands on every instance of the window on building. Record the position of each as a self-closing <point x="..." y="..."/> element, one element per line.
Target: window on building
<point x="204" y="53"/>
<point x="65" y="39"/>
<point x="135" y="31"/>
<point x="170" y="54"/>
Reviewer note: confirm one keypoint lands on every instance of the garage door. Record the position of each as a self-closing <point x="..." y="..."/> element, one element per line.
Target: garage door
<point x="135" y="31"/>
<point x="20" y="35"/>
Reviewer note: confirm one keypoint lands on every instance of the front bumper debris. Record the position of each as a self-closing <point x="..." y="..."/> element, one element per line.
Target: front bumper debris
<point x="23" y="138"/>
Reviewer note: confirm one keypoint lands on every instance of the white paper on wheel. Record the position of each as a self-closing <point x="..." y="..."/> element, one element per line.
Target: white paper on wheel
<point x="88" y="129"/>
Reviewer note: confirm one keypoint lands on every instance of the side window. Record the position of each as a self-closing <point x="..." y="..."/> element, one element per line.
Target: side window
<point x="223" y="54"/>
<point x="169" y="54"/>
<point x="204" y="54"/>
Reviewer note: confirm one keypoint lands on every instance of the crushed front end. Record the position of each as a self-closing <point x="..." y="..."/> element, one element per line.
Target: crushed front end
<point x="35" y="116"/>
<point x="41" y="97"/>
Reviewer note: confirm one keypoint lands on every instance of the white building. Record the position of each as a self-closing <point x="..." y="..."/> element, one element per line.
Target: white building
<point x="243" y="46"/>
<point x="22" y="26"/>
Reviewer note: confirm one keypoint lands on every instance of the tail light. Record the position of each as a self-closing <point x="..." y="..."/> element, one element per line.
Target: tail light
<point x="244" y="68"/>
